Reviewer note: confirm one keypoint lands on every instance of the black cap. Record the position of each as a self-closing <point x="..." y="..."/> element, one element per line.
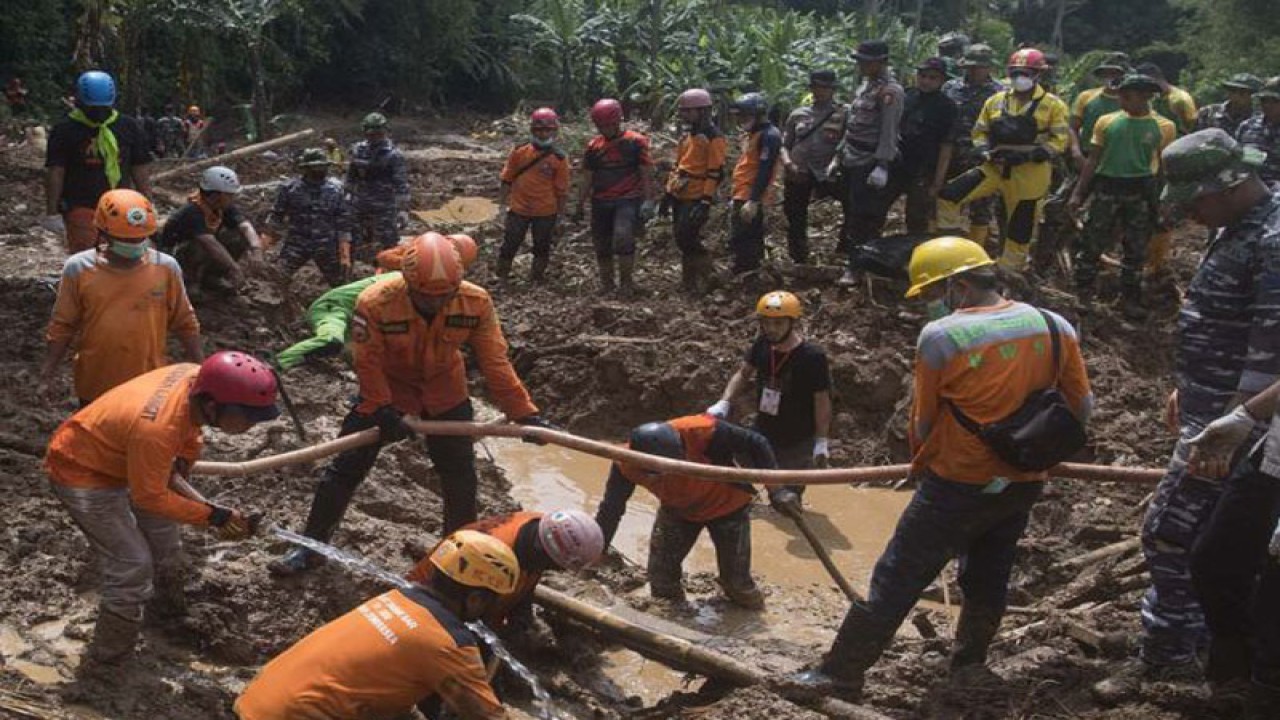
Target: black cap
<point x="872" y="50"/>
<point x="933" y="63"/>
<point x="822" y="78"/>
<point x="1151" y="70"/>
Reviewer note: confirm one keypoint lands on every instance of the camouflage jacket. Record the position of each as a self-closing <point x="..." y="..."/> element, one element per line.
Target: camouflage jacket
<point x="377" y="175"/>
<point x="969" y="100"/>
<point x="1229" y="325"/>
<point x="1216" y="116"/>
<point x="1256" y="132"/>
<point x="314" y="212"/>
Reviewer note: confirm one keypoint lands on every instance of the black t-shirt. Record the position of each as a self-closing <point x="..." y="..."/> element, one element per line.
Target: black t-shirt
<point x="928" y="120"/>
<point x="72" y="146"/>
<point x="797" y="374"/>
<point x="189" y="222"/>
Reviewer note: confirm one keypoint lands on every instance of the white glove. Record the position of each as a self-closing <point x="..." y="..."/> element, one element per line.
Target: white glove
<point x="833" y="167"/>
<point x="1274" y="547"/>
<point x="878" y="177"/>
<point x="821" y="453"/>
<point x="749" y="210"/>
<point x="54" y="224"/>
<point x="719" y="410"/>
<point x="1213" y="447"/>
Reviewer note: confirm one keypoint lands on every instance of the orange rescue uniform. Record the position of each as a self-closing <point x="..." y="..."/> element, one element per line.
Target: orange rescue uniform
<point x="539" y="180"/>
<point x="506" y="528"/>
<point x="377" y="661"/>
<point x="699" y="168"/>
<point x="403" y="360"/>
<point x="986" y="360"/>
<point x="123" y="317"/>
<point x="130" y="437"/>
<point x="756" y="149"/>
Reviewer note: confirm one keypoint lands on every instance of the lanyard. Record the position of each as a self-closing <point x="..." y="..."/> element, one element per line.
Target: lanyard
<point x="775" y="367"/>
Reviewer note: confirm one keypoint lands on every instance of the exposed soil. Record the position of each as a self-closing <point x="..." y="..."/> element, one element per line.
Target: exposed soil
<point x="598" y="366"/>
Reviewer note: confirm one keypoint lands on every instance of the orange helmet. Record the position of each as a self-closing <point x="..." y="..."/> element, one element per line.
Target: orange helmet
<point x="467" y="248"/>
<point x="392" y="258"/>
<point x="431" y="265"/>
<point x="125" y="214"/>
<point x="1029" y="58"/>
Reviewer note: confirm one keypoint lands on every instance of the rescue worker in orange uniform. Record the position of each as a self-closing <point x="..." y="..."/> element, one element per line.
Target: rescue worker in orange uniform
<point x="400" y="649"/>
<point x="121" y="299"/>
<point x="408" y="334"/>
<point x="112" y="465"/>
<point x="693" y="183"/>
<point x="752" y="178"/>
<point x="566" y="539"/>
<point x="535" y="187"/>
<point x="689" y="504"/>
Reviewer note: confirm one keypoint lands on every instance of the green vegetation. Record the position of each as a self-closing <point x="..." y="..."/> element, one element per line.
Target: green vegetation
<point x="496" y="54"/>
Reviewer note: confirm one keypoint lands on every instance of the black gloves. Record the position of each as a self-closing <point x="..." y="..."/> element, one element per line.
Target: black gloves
<point x="1039" y="154"/>
<point x="699" y="212"/>
<point x="391" y="423"/>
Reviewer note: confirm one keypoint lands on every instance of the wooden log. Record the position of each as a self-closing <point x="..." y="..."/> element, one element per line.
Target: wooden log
<point x="1102" y="553"/>
<point x="236" y="154"/>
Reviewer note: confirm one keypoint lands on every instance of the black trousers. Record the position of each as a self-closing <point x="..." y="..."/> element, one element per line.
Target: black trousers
<point x="798" y="192"/>
<point x="453" y="458"/>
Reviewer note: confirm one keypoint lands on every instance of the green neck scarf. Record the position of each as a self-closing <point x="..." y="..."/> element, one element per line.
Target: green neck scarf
<point x="107" y="145"/>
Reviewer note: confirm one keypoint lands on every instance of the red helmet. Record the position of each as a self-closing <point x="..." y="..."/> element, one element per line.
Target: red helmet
<point x="606" y="112"/>
<point x="544" y="117"/>
<point x="236" y="378"/>
<point x="694" y="98"/>
<point x="431" y="265"/>
<point x="1029" y="58"/>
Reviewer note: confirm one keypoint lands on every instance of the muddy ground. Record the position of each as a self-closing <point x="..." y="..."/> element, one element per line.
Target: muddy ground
<point x="598" y="366"/>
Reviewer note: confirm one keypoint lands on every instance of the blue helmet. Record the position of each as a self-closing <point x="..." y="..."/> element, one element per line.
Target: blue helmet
<point x="96" y="89"/>
<point x="753" y="103"/>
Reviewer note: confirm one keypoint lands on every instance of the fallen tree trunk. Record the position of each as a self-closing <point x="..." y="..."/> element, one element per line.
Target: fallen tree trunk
<point x="234" y="154"/>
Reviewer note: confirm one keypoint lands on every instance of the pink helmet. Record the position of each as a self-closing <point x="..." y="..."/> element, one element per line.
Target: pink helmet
<point x="606" y="112"/>
<point x="235" y="378"/>
<point x="544" y="117"/>
<point x="571" y="538"/>
<point x="694" y="98"/>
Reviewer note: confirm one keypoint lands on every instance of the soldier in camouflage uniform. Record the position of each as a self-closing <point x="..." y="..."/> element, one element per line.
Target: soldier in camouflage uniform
<point x="1228" y="350"/>
<point x="378" y="184"/>
<point x="1237" y="108"/>
<point x="319" y="219"/>
<point x="1262" y="131"/>
<point x="970" y="93"/>
<point x="868" y="148"/>
<point x="952" y="47"/>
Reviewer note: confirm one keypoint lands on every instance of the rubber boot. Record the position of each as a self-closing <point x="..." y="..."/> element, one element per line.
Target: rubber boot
<point x="859" y="644"/>
<point x="1158" y="251"/>
<point x="114" y="637"/>
<point x="503" y="269"/>
<point x="750" y="598"/>
<point x="626" y="269"/>
<point x="298" y="560"/>
<point x="974" y="631"/>
<point x="605" y="267"/>
<point x="170" y="598"/>
<point x="538" y="274"/>
<point x="1131" y="305"/>
<point x="688" y="275"/>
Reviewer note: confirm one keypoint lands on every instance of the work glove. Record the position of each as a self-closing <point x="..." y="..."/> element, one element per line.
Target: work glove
<point x="879" y="177"/>
<point x="1274" y="546"/>
<point x="720" y="410"/>
<point x="784" y="500"/>
<point x="648" y="209"/>
<point x="391" y="424"/>
<point x="748" y="211"/>
<point x="229" y="524"/>
<point x="535" y="421"/>
<point x="1212" y="449"/>
<point x="54" y="224"/>
<point x="821" y="453"/>
<point x="1039" y="154"/>
<point x="402" y="219"/>
<point x="699" y="213"/>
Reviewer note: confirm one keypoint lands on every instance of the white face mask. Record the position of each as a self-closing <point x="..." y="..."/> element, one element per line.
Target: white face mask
<point x="1022" y="83"/>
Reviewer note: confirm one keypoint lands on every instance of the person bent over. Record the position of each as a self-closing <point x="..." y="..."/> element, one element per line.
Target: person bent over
<point x="200" y="235"/>
<point x="404" y="648"/>
<point x="690" y="504"/>
<point x="114" y="466"/>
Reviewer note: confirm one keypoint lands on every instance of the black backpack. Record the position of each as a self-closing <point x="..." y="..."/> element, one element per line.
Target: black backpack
<point x="1041" y="433"/>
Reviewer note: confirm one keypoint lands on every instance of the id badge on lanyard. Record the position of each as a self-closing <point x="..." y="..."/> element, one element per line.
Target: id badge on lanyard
<point x="771" y="395"/>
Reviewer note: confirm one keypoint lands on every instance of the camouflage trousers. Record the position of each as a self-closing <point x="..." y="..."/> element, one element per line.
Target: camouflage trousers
<point x="1057" y="226"/>
<point x="375" y="230"/>
<point x="297" y="253"/>
<point x="1128" y="210"/>
<point x="673" y="537"/>
<point x="1172" y="618"/>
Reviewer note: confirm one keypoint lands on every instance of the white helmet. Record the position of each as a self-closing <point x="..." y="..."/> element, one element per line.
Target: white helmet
<point x="220" y="179"/>
<point x="571" y="538"/>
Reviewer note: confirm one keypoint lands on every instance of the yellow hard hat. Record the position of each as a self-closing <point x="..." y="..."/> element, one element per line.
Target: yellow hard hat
<point x="474" y="559"/>
<point x="943" y="257"/>
<point x="779" y="304"/>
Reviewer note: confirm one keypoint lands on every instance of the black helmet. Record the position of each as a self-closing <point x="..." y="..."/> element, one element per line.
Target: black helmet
<point x="753" y="103"/>
<point x="658" y="438"/>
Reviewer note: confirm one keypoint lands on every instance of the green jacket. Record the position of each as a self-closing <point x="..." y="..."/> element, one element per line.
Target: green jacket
<point x="329" y="316"/>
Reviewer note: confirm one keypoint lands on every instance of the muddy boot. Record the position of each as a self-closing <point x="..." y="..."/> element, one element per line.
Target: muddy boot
<point x="1131" y="306"/>
<point x="114" y="637"/>
<point x="688" y="275"/>
<point x="626" y="270"/>
<point x="538" y="274"/>
<point x="605" y="267"/>
<point x="503" y="269"/>
<point x="669" y="593"/>
<point x="749" y="598"/>
<point x="170" y="599"/>
<point x="296" y="561"/>
<point x="977" y="626"/>
<point x="1126" y="684"/>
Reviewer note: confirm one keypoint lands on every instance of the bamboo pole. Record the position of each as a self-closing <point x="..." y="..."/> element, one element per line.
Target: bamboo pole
<point x="293" y="457"/>
<point x="234" y="154"/>
<point x="797" y="516"/>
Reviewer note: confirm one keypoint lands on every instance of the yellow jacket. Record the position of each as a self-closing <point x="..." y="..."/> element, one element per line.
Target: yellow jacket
<point x="1051" y="118"/>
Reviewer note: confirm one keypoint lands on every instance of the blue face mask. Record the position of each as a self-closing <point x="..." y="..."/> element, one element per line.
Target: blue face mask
<point x="130" y="251"/>
<point x="543" y="144"/>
